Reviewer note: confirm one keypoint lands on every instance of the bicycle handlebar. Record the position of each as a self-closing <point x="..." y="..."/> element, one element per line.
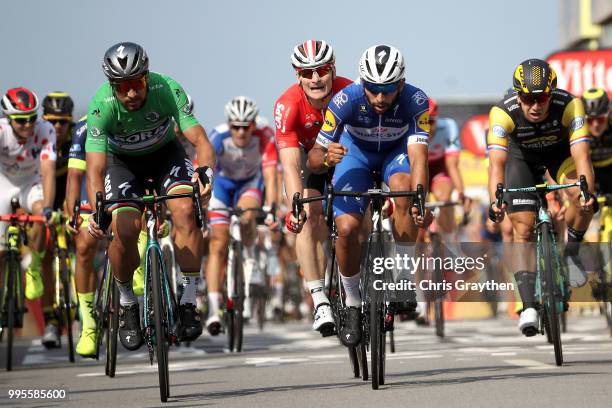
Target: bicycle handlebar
<point x="419" y="194"/>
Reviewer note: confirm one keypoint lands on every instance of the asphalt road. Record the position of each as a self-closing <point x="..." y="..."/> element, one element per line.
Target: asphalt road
<point x="484" y="363"/>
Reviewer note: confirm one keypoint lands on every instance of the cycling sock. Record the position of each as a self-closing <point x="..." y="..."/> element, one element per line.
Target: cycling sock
<point x="574" y="235"/>
<point x="351" y="289"/>
<point x="37" y="257"/>
<point x="213" y="303"/>
<point x="317" y="291"/>
<point x="126" y="293"/>
<point x="190" y="289"/>
<point x="49" y="315"/>
<point x="525" y="281"/>
<point x="86" y="308"/>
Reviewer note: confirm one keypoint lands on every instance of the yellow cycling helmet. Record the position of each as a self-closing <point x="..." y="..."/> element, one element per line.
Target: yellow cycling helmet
<point x="596" y="102"/>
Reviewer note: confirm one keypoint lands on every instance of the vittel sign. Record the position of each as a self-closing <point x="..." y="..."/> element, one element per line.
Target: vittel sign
<point x="578" y="71"/>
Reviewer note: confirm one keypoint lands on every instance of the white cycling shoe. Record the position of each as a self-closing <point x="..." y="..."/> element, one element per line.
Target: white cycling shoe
<point x="323" y="320"/>
<point x="528" y="322"/>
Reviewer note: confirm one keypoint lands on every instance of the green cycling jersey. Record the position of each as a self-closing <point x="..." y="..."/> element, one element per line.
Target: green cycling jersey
<point x="111" y="127"/>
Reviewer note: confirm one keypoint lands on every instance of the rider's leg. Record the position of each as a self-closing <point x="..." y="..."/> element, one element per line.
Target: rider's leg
<point x="442" y="188"/>
<point x="123" y="251"/>
<point x="215" y="264"/>
<point x="85" y="286"/>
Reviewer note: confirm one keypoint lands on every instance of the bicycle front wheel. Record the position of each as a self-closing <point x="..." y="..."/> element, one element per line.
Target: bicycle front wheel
<point x="11" y="302"/>
<point x="159" y="310"/>
<point x="550" y="290"/>
<point x="67" y="307"/>
<point x="112" y="326"/>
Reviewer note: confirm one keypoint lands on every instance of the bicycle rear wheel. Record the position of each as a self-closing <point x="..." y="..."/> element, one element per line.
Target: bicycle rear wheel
<point x="550" y="291"/>
<point x="161" y="344"/>
<point x="112" y="326"/>
<point x="439" y="295"/>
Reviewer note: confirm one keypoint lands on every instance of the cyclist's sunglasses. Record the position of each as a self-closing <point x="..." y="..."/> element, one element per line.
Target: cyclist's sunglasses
<point x="239" y="127"/>
<point x="381" y="89"/>
<point x="58" y="121"/>
<point x="530" y="99"/>
<point x="137" y="84"/>
<point x="596" y="119"/>
<point x="23" y="119"/>
<point x="309" y="72"/>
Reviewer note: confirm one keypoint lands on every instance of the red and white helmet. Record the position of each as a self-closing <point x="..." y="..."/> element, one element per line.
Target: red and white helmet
<point x="19" y="101"/>
<point x="312" y="53"/>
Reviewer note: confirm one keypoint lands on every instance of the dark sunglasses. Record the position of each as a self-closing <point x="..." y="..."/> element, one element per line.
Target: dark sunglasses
<point x="60" y="121"/>
<point x="530" y="99"/>
<point x="309" y="72"/>
<point x="381" y="89"/>
<point x="137" y="84"/>
<point x="239" y="127"/>
<point x="23" y="120"/>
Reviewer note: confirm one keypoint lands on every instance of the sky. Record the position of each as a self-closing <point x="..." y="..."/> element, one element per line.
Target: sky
<point x="220" y="49"/>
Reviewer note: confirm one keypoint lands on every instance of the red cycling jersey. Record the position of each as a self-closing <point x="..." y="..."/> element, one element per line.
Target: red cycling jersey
<point x="297" y="121"/>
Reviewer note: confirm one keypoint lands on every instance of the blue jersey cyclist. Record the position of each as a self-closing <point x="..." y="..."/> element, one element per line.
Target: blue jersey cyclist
<point x="380" y="124"/>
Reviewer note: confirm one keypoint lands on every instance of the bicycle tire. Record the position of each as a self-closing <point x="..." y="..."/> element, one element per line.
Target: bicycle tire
<point x="112" y="329"/>
<point x="239" y="306"/>
<point x="99" y="314"/>
<point x="391" y="342"/>
<point x="161" y="344"/>
<point x="438" y="299"/>
<point x="261" y="311"/>
<point x="550" y="303"/>
<point x="362" y="357"/>
<point x="231" y="334"/>
<point x="67" y="308"/>
<point x="375" y="350"/>
<point x="353" y="359"/>
<point x="10" y="311"/>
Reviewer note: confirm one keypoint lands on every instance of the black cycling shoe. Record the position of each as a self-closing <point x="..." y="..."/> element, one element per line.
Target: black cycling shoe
<point x="191" y="326"/>
<point x="350" y="332"/>
<point x="129" y="327"/>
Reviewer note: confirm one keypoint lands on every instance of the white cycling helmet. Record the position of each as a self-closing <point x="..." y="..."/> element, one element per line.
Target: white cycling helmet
<point x="381" y="64"/>
<point x="312" y="53"/>
<point x="241" y="111"/>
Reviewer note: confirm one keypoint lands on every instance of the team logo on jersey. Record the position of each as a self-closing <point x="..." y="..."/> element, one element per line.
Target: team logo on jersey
<point x="340" y="99"/>
<point x="187" y="109"/>
<point x="152" y="116"/>
<point x="363" y="108"/>
<point x="419" y="97"/>
<point x="330" y="122"/>
<point x="577" y="123"/>
<point x="423" y="121"/>
<point x="499" y="131"/>
<point x="94" y="132"/>
<point x="96" y="112"/>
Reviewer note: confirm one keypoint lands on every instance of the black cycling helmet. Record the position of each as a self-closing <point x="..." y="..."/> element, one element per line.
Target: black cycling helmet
<point x="534" y="76"/>
<point x="125" y="60"/>
<point x="596" y="102"/>
<point x="57" y="104"/>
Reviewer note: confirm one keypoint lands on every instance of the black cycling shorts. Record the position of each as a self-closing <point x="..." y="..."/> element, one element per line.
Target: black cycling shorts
<point x="525" y="169"/>
<point x="309" y="179"/>
<point x="168" y="168"/>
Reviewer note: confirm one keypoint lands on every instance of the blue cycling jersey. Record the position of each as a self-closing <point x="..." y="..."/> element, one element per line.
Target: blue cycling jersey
<point x="350" y="111"/>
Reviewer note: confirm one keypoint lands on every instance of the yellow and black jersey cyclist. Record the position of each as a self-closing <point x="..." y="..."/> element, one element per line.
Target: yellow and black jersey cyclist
<point x="535" y="129"/>
<point x="599" y="120"/>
